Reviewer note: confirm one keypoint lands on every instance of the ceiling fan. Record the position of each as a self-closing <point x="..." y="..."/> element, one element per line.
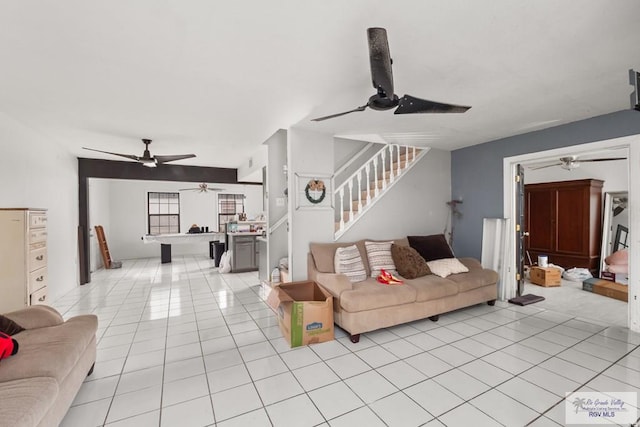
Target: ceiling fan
<point x="147" y="159"/>
<point x="382" y="78"/>
<point x="202" y="188"/>
<point x="572" y="162"/>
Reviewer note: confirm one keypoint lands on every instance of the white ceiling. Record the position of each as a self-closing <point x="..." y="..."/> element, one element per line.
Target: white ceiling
<point x="218" y="78"/>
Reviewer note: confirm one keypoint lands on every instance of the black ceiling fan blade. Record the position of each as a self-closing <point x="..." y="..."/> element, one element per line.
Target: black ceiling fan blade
<point x="127" y="156"/>
<point x="165" y="159"/>
<point x="380" y="61"/>
<point x="412" y="105"/>
<point x="602" y="160"/>
<point x="319" y="119"/>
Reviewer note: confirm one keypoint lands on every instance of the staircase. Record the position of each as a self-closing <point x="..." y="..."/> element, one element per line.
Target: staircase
<point x="370" y="182"/>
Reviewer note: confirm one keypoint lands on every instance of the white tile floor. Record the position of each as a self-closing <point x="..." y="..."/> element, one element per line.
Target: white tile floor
<point x="181" y="345"/>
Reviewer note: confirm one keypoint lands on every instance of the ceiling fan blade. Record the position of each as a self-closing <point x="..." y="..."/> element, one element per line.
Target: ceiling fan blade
<point x="127" y="156"/>
<point x="380" y="61"/>
<point x="411" y="105"/>
<point x="602" y="160"/>
<point x="545" y="166"/>
<point x="319" y="119"/>
<point x="165" y="159"/>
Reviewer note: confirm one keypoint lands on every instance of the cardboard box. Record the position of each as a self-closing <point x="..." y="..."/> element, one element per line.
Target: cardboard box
<point x="622" y="278"/>
<point x="304" y="311"/>
<point x="545" y="276"/>
<point x="606" y="288"/>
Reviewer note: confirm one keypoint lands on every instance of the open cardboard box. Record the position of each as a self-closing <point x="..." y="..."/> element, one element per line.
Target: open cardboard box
<point x="304" y="311"/>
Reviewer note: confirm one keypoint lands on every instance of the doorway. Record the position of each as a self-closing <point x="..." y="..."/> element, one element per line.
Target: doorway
<point x="603" y="148"/>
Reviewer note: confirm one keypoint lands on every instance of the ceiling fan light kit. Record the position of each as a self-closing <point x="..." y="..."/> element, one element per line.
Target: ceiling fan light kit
<point x="147" y="159"/>
<point x="382" y="79"/>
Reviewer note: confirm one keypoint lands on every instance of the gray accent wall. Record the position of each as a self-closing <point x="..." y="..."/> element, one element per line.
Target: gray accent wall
<point x="476" y="171"/>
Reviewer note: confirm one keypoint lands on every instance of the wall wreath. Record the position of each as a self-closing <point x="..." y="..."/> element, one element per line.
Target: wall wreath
<point x="315" y="191"/>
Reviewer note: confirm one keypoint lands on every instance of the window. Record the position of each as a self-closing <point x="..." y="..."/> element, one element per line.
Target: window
<point x="164" y="213"/>
<point x="228" y="206"/>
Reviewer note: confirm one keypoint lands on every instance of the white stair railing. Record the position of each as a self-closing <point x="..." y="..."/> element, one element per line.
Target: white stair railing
<point x="379" y="173"/>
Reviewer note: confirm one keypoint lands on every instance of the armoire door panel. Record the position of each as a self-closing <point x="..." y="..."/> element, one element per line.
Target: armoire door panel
<point x="539" y="220"/>
<point x="573" y="236"/>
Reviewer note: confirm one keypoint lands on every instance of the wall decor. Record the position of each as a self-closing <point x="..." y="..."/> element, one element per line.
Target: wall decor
<point x="313" y="191"/>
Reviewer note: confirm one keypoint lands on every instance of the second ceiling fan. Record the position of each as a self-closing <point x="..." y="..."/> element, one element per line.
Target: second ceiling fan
<point x="382" y="78"/>
<point x="573" y="162"/>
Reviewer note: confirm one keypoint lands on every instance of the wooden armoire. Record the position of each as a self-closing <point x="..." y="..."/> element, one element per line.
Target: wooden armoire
<point x="564" y="222"/>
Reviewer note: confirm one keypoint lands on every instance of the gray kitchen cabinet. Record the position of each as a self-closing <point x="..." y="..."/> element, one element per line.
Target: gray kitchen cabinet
<point x="244" y="253"/>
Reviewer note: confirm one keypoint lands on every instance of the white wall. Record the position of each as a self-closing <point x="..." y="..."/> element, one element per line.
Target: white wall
<point x="416" y="205"/>
<point x="36" y="172"/>
<point x="128" y="214"/>
<point x="307" y="153"/>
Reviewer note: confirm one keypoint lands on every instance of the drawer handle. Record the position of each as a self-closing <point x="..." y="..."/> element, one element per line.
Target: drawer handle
<point x="40" y="257"/>
<point x="40" y="279"/>
<point x="42" y="298"/>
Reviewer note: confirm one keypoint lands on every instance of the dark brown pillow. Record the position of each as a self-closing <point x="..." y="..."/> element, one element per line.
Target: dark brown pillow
<point x="8" y="326"/>
<point x="408" y="261"/>
<point x="431" y="247"/>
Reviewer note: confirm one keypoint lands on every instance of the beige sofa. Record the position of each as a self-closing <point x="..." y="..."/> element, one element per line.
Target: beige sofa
<point x="368" y="305"/>
<point x="39" y="383"/>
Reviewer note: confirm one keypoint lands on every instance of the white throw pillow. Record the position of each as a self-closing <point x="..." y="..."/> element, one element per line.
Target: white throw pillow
<point x="447" y="266"/>
<point x="348" y="261"/>
<point x="379" y="256"/>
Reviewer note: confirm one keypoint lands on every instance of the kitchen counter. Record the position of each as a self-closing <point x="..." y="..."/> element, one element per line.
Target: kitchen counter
<point x="245" y="233"/>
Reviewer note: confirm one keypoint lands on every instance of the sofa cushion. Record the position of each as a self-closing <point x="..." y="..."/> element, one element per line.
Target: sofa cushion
<point x="475" y="278"/>
<point x="446" y="267"/>
<point x="8" y="326"/>
<point x="348" y="261"/>
<point x="431" y="247"/>
<point x="432" y="287"/>
<point x="379" y="257"/>
<point x="50" y="352"/>
<point x="25" y="402"/>
<point x="371" y="295"/>
<point x="408" y="261"/>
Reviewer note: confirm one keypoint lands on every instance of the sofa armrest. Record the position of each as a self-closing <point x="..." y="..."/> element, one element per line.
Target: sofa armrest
<point x="335" y="283"/>
<point x="36" y="316"/>
<point x="471" y="263"/>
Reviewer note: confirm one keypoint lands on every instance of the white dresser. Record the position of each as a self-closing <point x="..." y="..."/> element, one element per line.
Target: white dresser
<point x="23" y="258"/>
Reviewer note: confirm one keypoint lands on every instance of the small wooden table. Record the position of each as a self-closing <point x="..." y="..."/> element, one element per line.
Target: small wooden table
<point x="166" y="240"/>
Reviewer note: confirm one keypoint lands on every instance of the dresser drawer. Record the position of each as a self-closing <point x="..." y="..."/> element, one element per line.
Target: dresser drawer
<point x="38" y="297"/>
<point x="37" y="219"/>
<point x="37" y="258"/>
<point x="38" y="235"/>
<point x="37" y="279"/>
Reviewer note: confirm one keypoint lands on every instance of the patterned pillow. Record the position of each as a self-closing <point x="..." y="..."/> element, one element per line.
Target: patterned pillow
<point x="447" y="266"/>
<point x="347" y="261"/>
<point x="379" y="256"/>
<point x="409" y="262"/>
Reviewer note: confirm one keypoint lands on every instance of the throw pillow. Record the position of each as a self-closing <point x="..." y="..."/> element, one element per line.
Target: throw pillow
<point x="408" y="262"/>
<point x="8" y="326"/>
<point x="431" y="247"/>
<point x="347" y="261"/>
<point x="379" y="256"/>
<point x="446" y="267"/>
